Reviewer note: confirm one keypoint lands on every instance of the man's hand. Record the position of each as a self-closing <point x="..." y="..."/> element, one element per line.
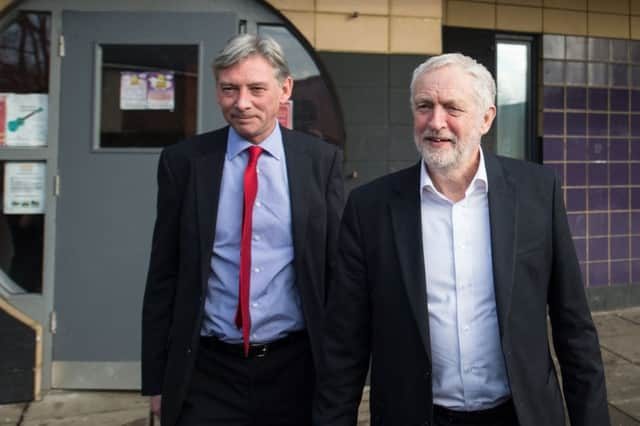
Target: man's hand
<point x="156" y="403"/>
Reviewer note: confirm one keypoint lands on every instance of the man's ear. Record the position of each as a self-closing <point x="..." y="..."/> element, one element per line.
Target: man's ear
<point x="487" y="119"/>
<point x="287" y="89"/>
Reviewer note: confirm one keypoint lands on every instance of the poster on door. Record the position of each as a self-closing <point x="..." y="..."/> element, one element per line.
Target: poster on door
<point x="160" y="91"/>
<point x="24" y="119"/>
<point x="24" y="188"/>
<point x="147" y="90"/>
<point x="133" y="90"/>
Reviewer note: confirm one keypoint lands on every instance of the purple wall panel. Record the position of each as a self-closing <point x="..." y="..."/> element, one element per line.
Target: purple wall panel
<point x="591" y="131"/>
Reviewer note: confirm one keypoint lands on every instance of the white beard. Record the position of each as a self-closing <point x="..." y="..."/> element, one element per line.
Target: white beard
<point x="446" y="160"/>
<point x="443" y="160"/>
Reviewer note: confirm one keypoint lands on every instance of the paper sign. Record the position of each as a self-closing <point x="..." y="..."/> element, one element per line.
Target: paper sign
<point x="160" y="90"/>
<point x="285" y="114"/>
<point x="147" y="90"/>
<point x="24" y="188"/>
<point x="133" y="90"/>
<point x="25" y="119"/>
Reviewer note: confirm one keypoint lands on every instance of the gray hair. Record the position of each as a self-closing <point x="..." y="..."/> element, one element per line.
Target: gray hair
<point x="483" y="83"/>
<point x="242" y="46"/>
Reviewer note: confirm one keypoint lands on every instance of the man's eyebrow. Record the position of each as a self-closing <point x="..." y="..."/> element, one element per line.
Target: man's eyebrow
<point x="419" y="98"/>
<point x="453" y="102"/>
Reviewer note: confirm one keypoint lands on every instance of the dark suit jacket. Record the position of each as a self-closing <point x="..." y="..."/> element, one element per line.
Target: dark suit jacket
<point x="378" y="306"/>
<point x="189" y="176"/>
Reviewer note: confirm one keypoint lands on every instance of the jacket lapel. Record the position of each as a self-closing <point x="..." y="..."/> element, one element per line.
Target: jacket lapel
<point x="407" y="231"/>
<point x="298" y="166"/>
<point x="208" y="178"/>
<point x="503" y="214"/>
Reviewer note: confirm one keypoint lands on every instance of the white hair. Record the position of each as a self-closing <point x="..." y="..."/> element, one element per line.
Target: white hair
<point x="484" y="86"/>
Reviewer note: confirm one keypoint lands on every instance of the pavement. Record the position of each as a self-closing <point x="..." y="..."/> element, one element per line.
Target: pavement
<point x="619" y="333"/>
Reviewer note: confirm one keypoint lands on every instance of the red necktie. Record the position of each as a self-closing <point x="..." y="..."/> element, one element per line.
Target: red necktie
<point x="243" y="318"/>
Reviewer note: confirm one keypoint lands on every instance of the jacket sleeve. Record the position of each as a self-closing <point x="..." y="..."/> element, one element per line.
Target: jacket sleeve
<point x="346" y="331"/>
<point x="574" y="334"/>
<point x="161" y="281"/>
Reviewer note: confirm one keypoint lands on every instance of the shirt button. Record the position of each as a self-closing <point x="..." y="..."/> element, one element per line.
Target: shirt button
<point x="465" y="328"/>
<point x="256" y="269"/>
<point x="255" y="305"/>
<point x="258" y="204"/>
<point x="256" y="238"/>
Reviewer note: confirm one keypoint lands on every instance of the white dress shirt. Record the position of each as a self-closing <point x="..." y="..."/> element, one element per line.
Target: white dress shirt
<point x="468" y="365"/>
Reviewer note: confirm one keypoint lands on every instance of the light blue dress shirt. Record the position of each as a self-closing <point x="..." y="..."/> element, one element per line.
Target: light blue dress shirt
<point x="468" y="364"/>
<point x="274" y="302"/>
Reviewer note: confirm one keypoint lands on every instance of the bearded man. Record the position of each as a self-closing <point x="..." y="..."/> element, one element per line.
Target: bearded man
<point x="446" y="273"/>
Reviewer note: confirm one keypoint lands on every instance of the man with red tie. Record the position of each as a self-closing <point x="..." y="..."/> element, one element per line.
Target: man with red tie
<point x="242" y="251"/>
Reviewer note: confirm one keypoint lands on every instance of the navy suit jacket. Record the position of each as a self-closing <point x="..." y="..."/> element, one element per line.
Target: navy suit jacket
<point x="189" y="178"/>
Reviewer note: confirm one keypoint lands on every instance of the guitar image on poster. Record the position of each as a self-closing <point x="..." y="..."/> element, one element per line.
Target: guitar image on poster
<point x="26" y="119"/>
<point x="14" y="125"/>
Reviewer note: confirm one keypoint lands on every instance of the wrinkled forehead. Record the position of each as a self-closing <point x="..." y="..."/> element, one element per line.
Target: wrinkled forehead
<point x="447" y="82"/>
<point x="252" y="60"/>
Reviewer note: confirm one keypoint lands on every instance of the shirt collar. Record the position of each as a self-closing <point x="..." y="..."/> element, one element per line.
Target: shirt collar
<point x="272" y="144"/>
<point x="479" y="181"/>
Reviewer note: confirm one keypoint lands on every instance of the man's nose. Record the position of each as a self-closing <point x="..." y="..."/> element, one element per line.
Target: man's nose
<point x="243" y="101"/>
<point x="437" y="120"/>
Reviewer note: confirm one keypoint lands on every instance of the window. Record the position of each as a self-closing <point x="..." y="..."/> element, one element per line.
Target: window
<point x="24" y="86"/>
<point x="513" y="115"/>
<point x="24" y="54"/>
<point x="148" y="95"/>
<point x="22" y="226"/>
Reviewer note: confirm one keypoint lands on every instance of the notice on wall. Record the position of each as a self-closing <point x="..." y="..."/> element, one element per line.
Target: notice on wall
<point x="160" y="90"/>
<point x="285" y="114"/>
<point x="133" y="90"/>
<point x="25" y="119"/>
<point x="24" y="188"/>
<point x="147" y="90"/>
